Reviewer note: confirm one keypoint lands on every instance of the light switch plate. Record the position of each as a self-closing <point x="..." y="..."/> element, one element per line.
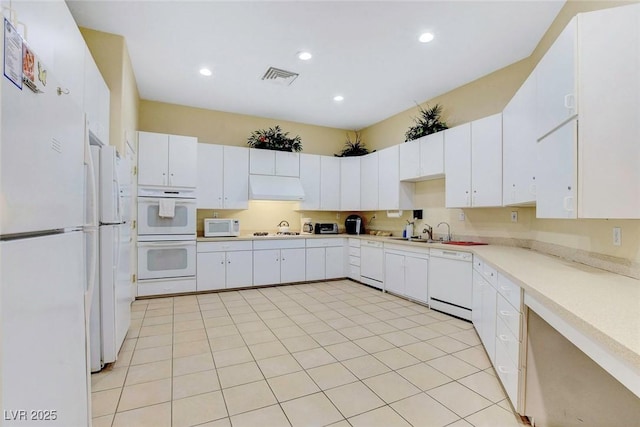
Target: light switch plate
<point x="461" y="216"/>
<point x="617" y="236"/>
<point x="514" y="216"/>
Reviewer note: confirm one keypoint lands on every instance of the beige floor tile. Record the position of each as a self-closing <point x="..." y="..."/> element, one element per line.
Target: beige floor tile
<point x="380" y="327"/>
<point x="104" y="402"/>
<point x="148" y="372"/>
<point x="222" y="331"/>
<point x="391" y="387"/>
<point x="381" y="417"/>
<point x="402" y="323"/>
<point x="145" y="394"/>
<point x="292" y="386"/>
<point x="314" y="357"/>
<point x="399" y="338"/>
<point x="424" y="376"/>
<point x="279" y="322"/>
<point x="506" y="404"/>
<point x="196" y="383"/>
<point x="154" y="341"/>
<point x="108" y="378"/>
<point x="311" y="411"/>
<point x="270" y="314"/>
<point x="252" y="327"/>
<point x="301" y="319"/>
<point x="271" y="416"/>
<point x="423" y="351"/>
<point x="341" y="322"/>
<point x="190" y="364"/>
<point x="301" y="343"/>
<point x="328" y="315"/>
<point x="422" y="410"/>
<point x="494" y="416"/>
<point x="149" y="416"/>
<point x="191" y="348"/>
<point x="147" y="331"/>
<point x="157" y="320"/>
<point x="124" y="359"/>
<point x="332" y="375"/>
<point x="279" y="365"/>
<point x="189" y="325"/>
<point x="485" y="385"/>
<point x="198" y="409"/>
<point x="345" y="350"/>
<point x="444" y="327"/>
<point x="245" y="317"/>
<point x="329" y="337"/>
<point x="460" y="423"/>
<point x="475" y="356"/>
<point x="153" y="354"/>
<point x="189" y="336"/>
<point x="184" y="317"/>
<point x="258" y="337"/>
<point x="343" y="423"/>
<point x="239" y="374"/>
<point x="316" y="327"/>
<point x="268" y="349"/>
<point x="226" y="343"/>
<point x="396" y="358"/>
<point x="469" y="337"/>
<point x="373" y="344"/>
<point x="356" y="332"/>
<point x="247" y="397"/>
<point x="448" y="345"/>
<point x="186" y="308"/>
<point x="353" y="399"/>
<point x="452" y="367"/>
<point x="365" y="366"/>
<point x="158" y="312"/>
<point x="459" y="399"/>
<point x="103" y="421"/>
<point x="288" y="332"/>
<point x="232" y="356"/>
<point x="211" y="321"/>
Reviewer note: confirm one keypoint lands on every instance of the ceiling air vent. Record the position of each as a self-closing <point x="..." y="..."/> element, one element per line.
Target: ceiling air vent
<point x="279" y="77"/>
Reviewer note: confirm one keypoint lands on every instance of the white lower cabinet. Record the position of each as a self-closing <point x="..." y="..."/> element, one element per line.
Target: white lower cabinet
<point x="354" y="259"/>
<point x="406" y="272"/>
<point x="223" y="265"/>
<point x="325" y="258"/>
<point x="483" y="309"/>
<point x="278" y="261"/>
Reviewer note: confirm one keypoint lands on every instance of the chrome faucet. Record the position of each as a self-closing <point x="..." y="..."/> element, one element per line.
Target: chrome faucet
<point x="447" y="238"/>
<point x="428" y="230"/>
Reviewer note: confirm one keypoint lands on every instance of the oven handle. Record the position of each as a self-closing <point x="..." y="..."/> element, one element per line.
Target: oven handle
<point x="156" y="200"/>
<point x="165" y="244"/>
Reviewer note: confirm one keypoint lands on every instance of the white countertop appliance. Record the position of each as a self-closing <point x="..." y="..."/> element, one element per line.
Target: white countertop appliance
<point x="217" y="227"/>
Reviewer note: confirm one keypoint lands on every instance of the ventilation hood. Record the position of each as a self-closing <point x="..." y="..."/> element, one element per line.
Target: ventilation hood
<point x="270" y="187"/>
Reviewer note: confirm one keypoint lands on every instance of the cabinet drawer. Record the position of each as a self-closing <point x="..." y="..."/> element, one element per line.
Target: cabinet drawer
<point x="507" y="372"/>
<point x="478" y="264"/>
<point x="510" y="291"/>
<point x="510" y="316"/>
<point x="354" y="272"/>
<point x="162" y="287"/>
<point x="354" y="251"/>
<point x="490" y="274"/>
<point x="324" y="242"/>
<point x="224" y="246"/>
<point x="278" y="244"/>
<point x="354" y="260"/>
<point x="354" y="243"/>
<point x="510" y="343"/>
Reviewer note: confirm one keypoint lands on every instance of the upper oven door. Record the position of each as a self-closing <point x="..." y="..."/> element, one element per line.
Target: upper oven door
<point x="150" y="223"/>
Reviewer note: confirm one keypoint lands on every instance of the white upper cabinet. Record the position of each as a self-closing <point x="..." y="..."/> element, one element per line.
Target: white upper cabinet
<point x="519" y="146"/>
<point x="473" y="163"/>
<point x="350" y="183"/>
<point x="423" y="158"/>
<point x="329" y="183"/>
<point x="310" y="179"/>
<point x="392" y="194"/>
<point x="369" y="182"/>
<point x="271" y="162"/>
<point x="223" y="177"/>
<point x="556" y="89"/>
<point x="167" y="160"/>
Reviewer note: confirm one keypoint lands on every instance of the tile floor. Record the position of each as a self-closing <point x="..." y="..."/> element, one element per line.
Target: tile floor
<point x="332" y="353"/>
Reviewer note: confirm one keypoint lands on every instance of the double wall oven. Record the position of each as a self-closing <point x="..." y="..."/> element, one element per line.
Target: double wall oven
<point x="166" y="241"/>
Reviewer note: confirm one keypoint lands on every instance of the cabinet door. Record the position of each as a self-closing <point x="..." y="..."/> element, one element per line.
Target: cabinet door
<point x="519" y="146"/>
<point x="153" y="159"/>
<point x="476" y="300"/>
<point x="410" y="160"/>
<point x="266" y="267"/>
<point x="183" y="161"/>
<point x="238" y="272"/>
<point x="329" y="183"/>
<point x="315" y="263"/>
<point x="287" y="164"/>
<point x="236" y="177"/>
<point x="557" y="174"/>
<point x="369" y="182"/>
<point x="432" y="155"/>
<point x="486" y="161"/>
<point x="489" y="302"/>
<point x="335" y="262"/>
<point x="394" y="273"/>
<point x="415" y="278"/>
<point x="211" y="271"/>
<point x="262" y="162"/>
<point x="389" y="178"/>
<point x="350" y="183"/>
<point x="292" y="265"/>
<point x="457" y="166"/>
<point x="210" y="167"/>
<point x="310" y="179"/>
<point x="556" y="82"/>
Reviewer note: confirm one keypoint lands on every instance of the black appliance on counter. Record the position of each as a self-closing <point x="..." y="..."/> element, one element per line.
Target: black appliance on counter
<point x="352" y="223"/>
<point x="325" y="228"/>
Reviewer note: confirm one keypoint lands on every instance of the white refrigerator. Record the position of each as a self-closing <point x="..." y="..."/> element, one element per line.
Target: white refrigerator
<point x="44" y="267"/>
<point x="111" y="305"/>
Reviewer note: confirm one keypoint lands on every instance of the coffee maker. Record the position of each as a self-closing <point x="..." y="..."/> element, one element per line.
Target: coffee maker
<point x="354" y="224"/>
<point x="306" y="226"/>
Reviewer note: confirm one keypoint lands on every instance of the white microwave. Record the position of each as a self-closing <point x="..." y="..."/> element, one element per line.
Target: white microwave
<point x="216" y="227"/>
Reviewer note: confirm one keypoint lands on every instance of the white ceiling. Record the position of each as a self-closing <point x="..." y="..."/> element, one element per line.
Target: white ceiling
<point x="366" y="51"/>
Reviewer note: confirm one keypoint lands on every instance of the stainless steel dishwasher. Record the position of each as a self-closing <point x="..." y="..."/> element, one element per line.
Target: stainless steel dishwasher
<point x="451" y="282"/>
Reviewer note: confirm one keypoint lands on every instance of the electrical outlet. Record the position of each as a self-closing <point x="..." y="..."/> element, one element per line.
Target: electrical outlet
<point x="338" y="215"/>
<point x="215" y="214"/>
<point x="461" y="216"/>
<point x="514" y="216"/>
<point x="617" y="236"/>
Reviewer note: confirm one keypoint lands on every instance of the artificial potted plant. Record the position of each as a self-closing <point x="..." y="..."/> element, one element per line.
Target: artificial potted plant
<point x="427" y="122"/>
<point x="353" y="147"/>
<point x="274" y="139"/>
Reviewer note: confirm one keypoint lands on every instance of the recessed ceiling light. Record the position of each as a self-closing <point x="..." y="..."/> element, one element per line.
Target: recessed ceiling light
<point x="425" y="37"/>
<point x="205" y="72"/>
<point x="338" y="98"/>
<point x="305" y="56"/>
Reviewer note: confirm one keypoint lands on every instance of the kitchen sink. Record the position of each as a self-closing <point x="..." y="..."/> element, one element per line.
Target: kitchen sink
<point x="463" y="243"/>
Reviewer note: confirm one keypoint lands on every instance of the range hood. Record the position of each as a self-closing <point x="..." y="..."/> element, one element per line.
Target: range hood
<point x="271" y="187"/>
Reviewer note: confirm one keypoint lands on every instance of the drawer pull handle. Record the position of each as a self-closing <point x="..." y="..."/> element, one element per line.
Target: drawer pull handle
<point x="504" y="370"/>
<point x="505" y="313"/>
<point x="503" y="338"/>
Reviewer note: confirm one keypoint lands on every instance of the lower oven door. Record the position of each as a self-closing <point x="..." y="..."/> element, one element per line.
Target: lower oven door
<point x="166" y="259"/>
<point x="150" y="222"/>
